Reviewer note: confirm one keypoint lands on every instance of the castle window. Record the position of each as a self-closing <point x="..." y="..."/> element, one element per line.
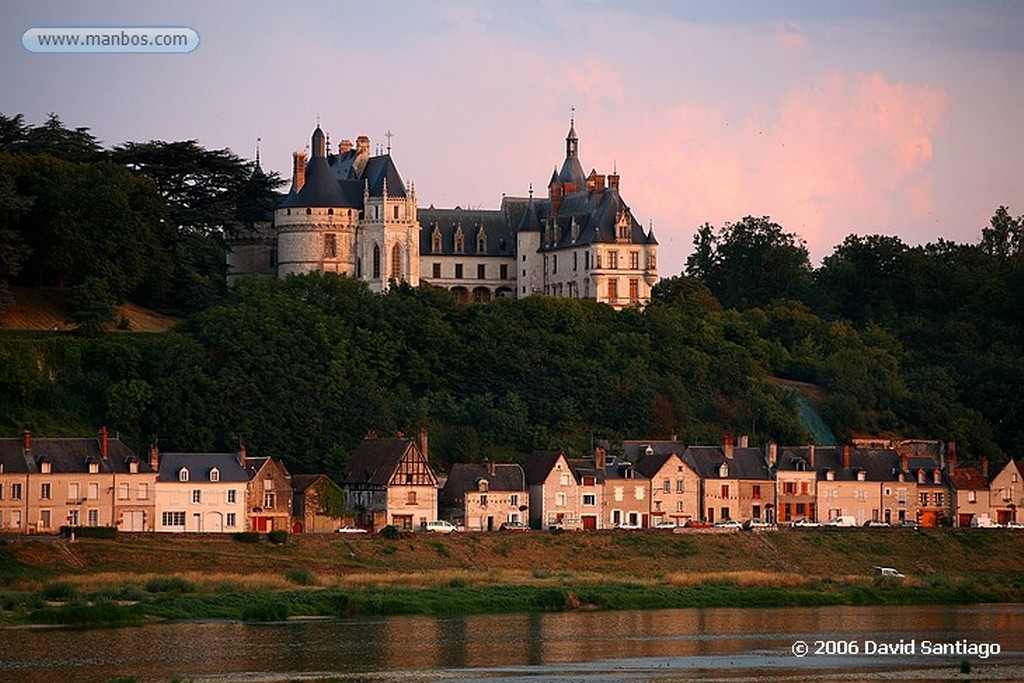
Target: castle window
<point x="597" y="260"/>
<point x="376" y="262"/>
<point x="395" y="212"/>
<point x="458" y="271"/>
<point x="330" y="212"/>
<point x="554" y="263"/>
<point x="437" y="270"/>
<point x="481" y="241"/>
<point x="481" y="272"/>
<point x="575" y="260"/>
<point x="330" y="246"/>
<point x="613" y="260"/>
<point x="504" y="271"/>
<point x="634" y="260"/>
<point x="634" y="289"/>
<point x="622" y="226"/>
<point x="652" y="261"/>
<point x="575" y="229"/>
<point x="613" y="289"/>
<point x="396" y="262"/>
<point x="435" y="241"/>
<point x="309" y="212"/>
<point x="460" y="241"/>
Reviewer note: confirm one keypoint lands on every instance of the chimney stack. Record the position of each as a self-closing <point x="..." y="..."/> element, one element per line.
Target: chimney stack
<point x="744" y="441"/>
<point x="344" y="147"/>
<point x="728" y="447"/>
<point x="675" y="437"/>
<point x="846" y="457"/>
<point x="103" y="442"/>
<point x="154" y="457"/>
<point x="298" y="170"/>
<point x="613" y="181"/>
<point x="984" y="467"/>
<point x="904" y="462"/>
<point x="600" y="458"/>
<point x="424" y="443"/>
<point x="810" y="454"/>
<point x="951" y="457"/>
<point x="492" y="467"/>
<point x="27" y="440"/>
<point x="242" y="455"/>
<point x="773" y="453"/>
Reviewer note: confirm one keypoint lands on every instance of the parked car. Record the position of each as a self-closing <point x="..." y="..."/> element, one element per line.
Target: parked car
<point x="758" y="524"/>
<point x="730" y="524"/>
<point x="565" y="524"/>
<point x="805" y="524"/>
<point x="666" y="525"/>
<point x="349" y="529"/>
<point x="842" y="521"/>
<point x="908" y="524"/>
<point x="984" y="522"/>
<point x="513" y="526"/>
<point x="439" y="526"/>
<point x="889" y="572"/>
<point x="1013" y="525"/>
<point x="876" y="524"/>
<point x="626" y="526"/>
<point x="694" y="524"/>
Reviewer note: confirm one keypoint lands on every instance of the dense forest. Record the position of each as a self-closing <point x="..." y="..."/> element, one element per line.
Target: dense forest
<point x="921" y="341"/>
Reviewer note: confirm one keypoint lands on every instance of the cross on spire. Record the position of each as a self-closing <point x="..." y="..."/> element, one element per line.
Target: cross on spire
<point x="258" y="140"/>
<point x="389" y="135"/>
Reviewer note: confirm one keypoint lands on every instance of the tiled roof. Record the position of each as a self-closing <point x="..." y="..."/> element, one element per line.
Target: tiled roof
<point x="968" y="476"/>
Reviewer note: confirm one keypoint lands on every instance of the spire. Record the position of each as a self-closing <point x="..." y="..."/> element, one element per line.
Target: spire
<point x="319" y="143"/>
<point x="572" y="144"/>
<point x="389" y="135"/>
<point x="531" y="191"/>
<point x="258" y="140"/>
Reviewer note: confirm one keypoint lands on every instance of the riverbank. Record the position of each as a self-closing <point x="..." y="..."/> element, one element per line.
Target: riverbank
<point x="138" y="578"/>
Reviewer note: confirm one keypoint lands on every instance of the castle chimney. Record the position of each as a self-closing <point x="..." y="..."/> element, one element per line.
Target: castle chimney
<point x="154" y="457"/>
<point x="744" y="441"/>
<point x="103" y="442"/>
<point x="810" y="454"/>
<point x="298" y="170"/>
<point x="846" y="457"/>
<point x="613" y="181"/>
<point x="423" y="443"/>
<point x="728" y="447"/>
<point x="26" y="438"/>
<point x="555" y="194"/>
<point x="242" y="455"/>
<point x="344" y="147"/>
<point x="600" y="458"/>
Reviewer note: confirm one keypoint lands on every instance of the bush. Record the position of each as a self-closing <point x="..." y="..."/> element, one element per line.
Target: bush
<point x="266" y="610"/>
<point x="301" y="577"/>
<point x="168" y="584"/>
<point x="390" y="532"/>
<point x="90" y="531"/>
<point x="278" y="536"/>
<point x="246" y="536"/>
<point x="61" y="590"/>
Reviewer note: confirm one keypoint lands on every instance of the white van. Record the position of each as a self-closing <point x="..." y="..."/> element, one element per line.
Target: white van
<point x="843" y="521"/>
<point x="439" y="526"/>
<point x="888" y="572"/>
<point x="983" y="522"/>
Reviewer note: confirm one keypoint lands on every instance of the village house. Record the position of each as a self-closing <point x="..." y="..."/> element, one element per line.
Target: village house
<point x="268" y="501"/>
<point x="200" y="492"/>
<point x="675" y="486"/>
<point x="484" y="496"/>
<point x="735" y="481"/>
<point x="312" y="507"/>
<point x="970" y="492"/>
<point x="625" y="492"/>
<point x="48" y="483"/>
<point x="554" y="492"/>
<point x="1006" y="494"/>
<point x="796" y="482"/>
<point x="924" y="462"/>
<point x="389" y="482"/>
<point x="591" y="475"/>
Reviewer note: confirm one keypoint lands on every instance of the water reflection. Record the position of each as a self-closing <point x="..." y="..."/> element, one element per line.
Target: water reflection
<point x="581" y="645"/>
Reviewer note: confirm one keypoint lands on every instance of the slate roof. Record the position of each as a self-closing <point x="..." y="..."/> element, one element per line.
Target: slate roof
<point x="878" y="464"/>
<point x="538" y="466"/>
<point x="617" y="468"/>
<point x="375" y="460"/>
<point x="301" y="482"/>
<point x="199" y="466"/>
<point x="584" y="467"/>
<point x="254" y="465"/>
<point x="968" y="476"/>
<point x="321" y="189"/>
<point x="500" y="240"/>
<point x="67" y="455"/>
<point x="595" y="214"/>
<point x="746" y="463"/>
<point x="465" y="477"/>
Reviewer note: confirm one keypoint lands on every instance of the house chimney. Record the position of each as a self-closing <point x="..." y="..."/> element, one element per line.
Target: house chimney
<point x="728" y="447"/>
<point x="984" y="467"/>
<point x="810" y="454"/>
<point x="492" y="467"/>
<point x="600" y="458"/>
<point x="103" y="442"/>
<point x="27" y="440"/>
<point x="773" y="453"/>
<point x="951" y="458"/>
<point x="371" y="434"/>
<point x="846" y="457"/>
<point x="904" y="462"/>
<point x="675" y="437"/>
<point x="344" y="147"/>
<point x="298" y="170"/>
<point x="424" y="444"/>
<point x="744" y="441"/>
<point x="242" y="455"/>
<point x="154" y="457"/>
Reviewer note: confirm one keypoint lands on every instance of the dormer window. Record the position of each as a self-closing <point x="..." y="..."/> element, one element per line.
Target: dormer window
<point x="937" y="477"/>
<point x="862" y="475"/>
<point x="723" y="470"/>
<point x="214" y="474"/>
<point x="481" y="241"/>
<point x="920" y="477"/>
<point x="133" y="467"/>
<point x="575" y="229"/>
<point x="830" y="475"/>
<point x="482" y="485"/>
<point x="435" y="240"/>
<point x="94" y="467"/>
<point x="183" y="474"/>
<point x="622" y="226"/>
<point x="460" y="241"/>
<point x="45" y="467"/>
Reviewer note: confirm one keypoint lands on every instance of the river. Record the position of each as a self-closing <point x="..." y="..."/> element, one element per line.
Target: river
<point x="583" y="646"/>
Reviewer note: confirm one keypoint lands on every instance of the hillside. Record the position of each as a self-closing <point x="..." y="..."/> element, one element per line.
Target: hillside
<point x="46" y="308"/>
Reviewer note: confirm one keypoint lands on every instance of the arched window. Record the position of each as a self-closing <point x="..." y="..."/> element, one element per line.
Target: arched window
<point x="481" y="241"/>
<point x="460" y="241"/>
<point x="376" y="262"/>
<point x="396" y="262"/>
<point x="214" y="474"/>
<point x="309" y="211"/>
<point x="435" y="240"/>
<point x="183" y="474"/>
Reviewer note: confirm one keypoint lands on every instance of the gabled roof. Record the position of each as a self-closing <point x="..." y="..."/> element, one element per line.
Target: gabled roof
<point x="375" y="460"/>
<point x="254" y="465"/>
<point x="746" y="463"/>
<point x="584" y="467"/>
<point x="968" y="476"/>
<point x="539" y="465"/>
<point x="878" y="464"/>
<point x="67" y="455"/>
<point x="199" y="466"/>
<point x="302" y="482"/>
<point x="466" y="477"/>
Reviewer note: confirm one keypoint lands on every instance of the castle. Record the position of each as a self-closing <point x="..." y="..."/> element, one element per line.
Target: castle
<point x="351" y="213"/>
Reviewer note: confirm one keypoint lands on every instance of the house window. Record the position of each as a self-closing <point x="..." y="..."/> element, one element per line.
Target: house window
<point x="330" y="246"/>
<point x="560" y="499"/>
<point x="679" y="485"/>
<point x="94" y="517"/>
<point x="45" y="467"/>
<point x="44" y="519"/>
<point x="269" y="500"/>
<point x="183" y="474"/>
<point x="666" y="486"/>
<point x="634" y="289"/>
<point x="214" y="474"/>
<point x="44" y="491"/>
<point x="94" y="491"/>
<point x="410" y="498"/>
<point x="483" y="500"/>
<point x="73" y="493"/>
<point x="173" y="519"/>
<point x="589" y="480"/>
<point x="565" y="479"/>
<point x="725" y="490"/>
<point x="639" y="492"/>
<point x="924" y="498"/>
<point x="634" y="260"/>
<point x="723" y="470"/>
<point x="232" y="519"/>
<point x="788" y="488"/>
<point x="458" y="271"/>
<point x="756" y="493"/>
<point x="1" y="495"/>
<point x="513" y="500"/>
<point x="122" y="492"/>
<point x="73" y="517"/>
<point x="939" y="499"/>
<point x="94" y="467"/>
<point x="436" y="270"/>
<point x="756" y="512"/>
<point x="481" y="271"/>
<point x="679" y="506"/>
<point x="804" y="488"/>
<point x="801" y="509"/>
<point x="725" y="514"/>
<point x="937" y="478"/>
<point x="613" y="289"/>
<point x="589" y="499"/>
<point x="15" y="491"/>
<point x="920" y="477"/>
<point x="619" y="493"/>
<point x="133" y="467"/>
<point x="143" y="491"/>
<point x="396" y="262"/>
<point x="232" y="496"/>
<point x="616" y="516"/>
<point x="376" y="262"/>
<point x="197" y="496"/>
<point x="504" y="271"/>
<point x="972" y="496"/>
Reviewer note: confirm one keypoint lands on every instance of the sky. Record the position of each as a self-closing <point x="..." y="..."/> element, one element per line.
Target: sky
<point x="832" y="118"/>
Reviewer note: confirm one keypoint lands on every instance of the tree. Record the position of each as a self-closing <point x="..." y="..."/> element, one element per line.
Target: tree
<point x="54" y="139"/>
<point x="13" y="250"/>
<point x="1004" y="237"/>
<point x="750" y="263"/>
<point x="92" y="305"/>
<point x="688" y="293"/>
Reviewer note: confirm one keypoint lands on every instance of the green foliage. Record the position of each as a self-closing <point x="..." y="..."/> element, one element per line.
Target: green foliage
<point x="169" y="584"/>
<point x="331" y="498"/>
<point x="391" y="533"/>
<point x="301" y="577"/>
<point x="246" y="537"/>
<point x="59" y="591"/>
<point x="107" y="532"/>
<point x="92" y="305"/>
<point x="278" y="536"/>
<point x="271" y="609"/>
